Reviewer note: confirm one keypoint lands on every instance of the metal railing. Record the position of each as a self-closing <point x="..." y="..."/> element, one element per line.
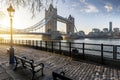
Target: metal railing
<point x="94" y="52"/>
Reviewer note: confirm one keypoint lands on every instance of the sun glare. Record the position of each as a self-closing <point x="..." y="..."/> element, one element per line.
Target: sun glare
<point x="21" y="19"/>
<point x="5" y="22"/>
<point x="17" y="22"/>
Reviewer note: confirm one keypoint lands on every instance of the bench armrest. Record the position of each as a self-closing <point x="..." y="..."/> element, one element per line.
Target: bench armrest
<point x="40" y="64"/>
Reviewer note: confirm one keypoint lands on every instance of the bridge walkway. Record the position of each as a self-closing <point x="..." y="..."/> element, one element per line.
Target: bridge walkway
<point x="77" y="70"/>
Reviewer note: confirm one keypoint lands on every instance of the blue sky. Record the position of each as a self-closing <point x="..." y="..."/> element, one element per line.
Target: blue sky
<point x="91" y="13"/>
<point x="88" y="14"/>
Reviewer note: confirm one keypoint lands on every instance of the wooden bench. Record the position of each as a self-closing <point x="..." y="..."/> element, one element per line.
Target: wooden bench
<point x="60" y="76"/>
<point x="29" y="64"/>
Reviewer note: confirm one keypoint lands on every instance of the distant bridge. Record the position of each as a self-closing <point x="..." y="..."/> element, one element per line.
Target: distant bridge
<point x="33" y="33"/>
<point x="50" y="23"/>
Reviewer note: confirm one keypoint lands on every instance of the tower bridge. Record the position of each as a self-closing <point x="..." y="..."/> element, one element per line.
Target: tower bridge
<point x="50" y="24"/>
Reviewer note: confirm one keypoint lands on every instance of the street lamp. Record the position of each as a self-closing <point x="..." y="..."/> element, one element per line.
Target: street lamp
<point x="11" y="11"/>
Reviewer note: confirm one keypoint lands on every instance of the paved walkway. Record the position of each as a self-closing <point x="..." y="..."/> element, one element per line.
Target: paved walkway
<point x="4" y="75"/>
<point x="54" y="62"/>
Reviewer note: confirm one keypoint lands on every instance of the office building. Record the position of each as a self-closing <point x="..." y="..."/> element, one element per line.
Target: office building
<point x="110" y="26"/>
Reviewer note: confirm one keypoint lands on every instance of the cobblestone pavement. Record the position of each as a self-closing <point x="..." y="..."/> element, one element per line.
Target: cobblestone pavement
<point x="77" y="70"/>
<point x="4" y="75"/>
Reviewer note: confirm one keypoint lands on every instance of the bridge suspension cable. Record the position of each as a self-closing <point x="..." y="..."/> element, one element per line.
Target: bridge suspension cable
<point x="75" y="28"/>
<point x="38" y="25"/>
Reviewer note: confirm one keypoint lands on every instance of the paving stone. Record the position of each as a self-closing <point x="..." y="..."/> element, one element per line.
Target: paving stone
<point x="54" y="62"/>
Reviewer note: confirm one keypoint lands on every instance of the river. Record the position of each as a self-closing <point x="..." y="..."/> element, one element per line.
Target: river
<point x="100" y="41"/>
<point x="86" y="40"/>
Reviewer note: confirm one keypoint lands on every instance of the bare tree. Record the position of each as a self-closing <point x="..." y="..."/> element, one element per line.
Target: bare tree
<point x="33" y="5"/>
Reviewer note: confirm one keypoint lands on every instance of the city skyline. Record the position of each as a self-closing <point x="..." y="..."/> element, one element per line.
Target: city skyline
<point x="88" y="14"/>
<point x="94" y="14"/>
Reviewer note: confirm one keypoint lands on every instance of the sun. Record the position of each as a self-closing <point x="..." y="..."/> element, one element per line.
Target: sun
<point x="5" y="22"/>
<point x="22" y="18"/>
<point x="17" y="22"/>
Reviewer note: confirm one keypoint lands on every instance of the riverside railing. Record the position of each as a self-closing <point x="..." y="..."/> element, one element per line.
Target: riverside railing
<point x="102" y="53"/>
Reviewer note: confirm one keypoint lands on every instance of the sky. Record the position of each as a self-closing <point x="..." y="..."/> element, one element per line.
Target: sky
<point x="88" y="14"/>
<point x="92" y="13"/>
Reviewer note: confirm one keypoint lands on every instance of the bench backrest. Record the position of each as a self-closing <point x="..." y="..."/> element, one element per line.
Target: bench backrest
<point x="26" y="62"/>
<point x="57" y="76"/>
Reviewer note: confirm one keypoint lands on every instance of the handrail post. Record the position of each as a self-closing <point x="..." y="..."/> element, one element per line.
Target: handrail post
<point x="19" y="42"/>
<point x="114" y="52"/>
<point x="52" y="45"/>
<point x="30" y="43"/>
<point x="70" y="49"/>
<point x="102" y="53"/>
<point x="22" y="43"/>
<point x="36" y="44"/>
<point x="83" y="51"/>
<point x="41" y="45"/>
<point x="5" y="41"/>
<point x="26" y="43"/>
<point x="33" y="43"/>
<point x="46" y="45"/>
<point x="60" y="47"/>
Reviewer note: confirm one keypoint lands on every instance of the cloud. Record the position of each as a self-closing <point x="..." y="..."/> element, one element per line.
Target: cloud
<point x="82" y="1"/>
<point x="75" y="4"/>
<point x="118" y="9"/>
<point x="2" y="15"/>
<point x="108" y="7"/>
<point x="90" y="9"/>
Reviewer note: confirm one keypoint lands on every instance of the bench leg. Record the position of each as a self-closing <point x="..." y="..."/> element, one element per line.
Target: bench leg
<point x="16" y="66"/>
<point x="42" y="72"/>
<point x="33" y="75"/>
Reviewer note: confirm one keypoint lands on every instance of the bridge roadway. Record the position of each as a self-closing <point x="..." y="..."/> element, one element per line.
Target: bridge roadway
<point x="77" y="70"/>
<point x="36" y="33"/>
<point x="31" y="33"/>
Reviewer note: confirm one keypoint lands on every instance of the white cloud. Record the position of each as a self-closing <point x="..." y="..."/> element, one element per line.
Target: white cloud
<point x="2" y="15"/>
<point x="108" y="7"/>
<point x="118" y="9"/>
<point x="74" y="4"/>
<point x="82" y="1"/>
<point x="89" y="9"/>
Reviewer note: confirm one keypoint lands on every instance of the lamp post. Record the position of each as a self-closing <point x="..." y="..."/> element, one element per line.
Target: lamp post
<point x="11" y="50"/>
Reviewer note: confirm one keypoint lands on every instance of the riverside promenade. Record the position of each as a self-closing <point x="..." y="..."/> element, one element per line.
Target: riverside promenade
<point x="76" y="70"/>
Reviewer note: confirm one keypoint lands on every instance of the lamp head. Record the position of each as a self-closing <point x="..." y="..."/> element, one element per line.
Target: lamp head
<point x="11" y="10"/>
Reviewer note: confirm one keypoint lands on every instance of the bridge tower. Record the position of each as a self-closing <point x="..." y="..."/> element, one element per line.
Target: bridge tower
<point x="51" y="25"/>
<point x="70" y="25"/>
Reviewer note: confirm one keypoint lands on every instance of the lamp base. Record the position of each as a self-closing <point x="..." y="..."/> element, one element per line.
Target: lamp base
<point x="11" y="50"/>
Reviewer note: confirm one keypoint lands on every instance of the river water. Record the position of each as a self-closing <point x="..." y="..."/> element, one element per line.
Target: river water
<point x="86" y="40"/>
<point x="99" y="41"/>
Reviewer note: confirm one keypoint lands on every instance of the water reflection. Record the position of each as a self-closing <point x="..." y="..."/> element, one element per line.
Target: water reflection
<point x="67" y="46"/>
<point x="22" y="37"/>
